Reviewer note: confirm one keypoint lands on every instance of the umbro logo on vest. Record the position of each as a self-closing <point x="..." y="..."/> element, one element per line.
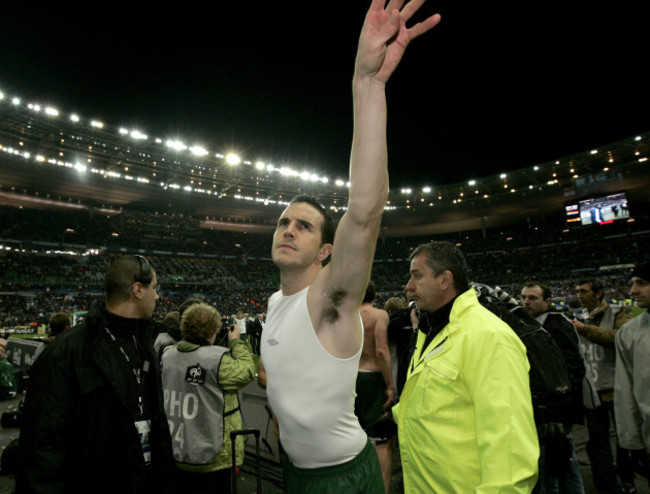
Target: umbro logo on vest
<point x="272" y="342"/>
<point x="195" y="375"/>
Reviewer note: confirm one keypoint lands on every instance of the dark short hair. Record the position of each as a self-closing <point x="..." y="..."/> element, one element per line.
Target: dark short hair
<point x="371" y="292"/>
<point x="546" y="291"/>
<point x="445" y="256"/>
<point x="123" y="272"/>
<point x="59" y="322"/>
<point x="172" y="324"/>
<point x="596" y="286"/>
<point x="187" y="303"/>
<point x="327" y="227"/>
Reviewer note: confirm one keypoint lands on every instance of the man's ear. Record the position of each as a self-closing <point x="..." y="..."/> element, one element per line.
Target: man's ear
<point x="137" y="290"/>
<point x="447" y="279"/>
<point x="325" y="252"/>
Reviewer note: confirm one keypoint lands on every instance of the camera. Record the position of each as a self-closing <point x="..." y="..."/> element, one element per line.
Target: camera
<point x="581" y="314"/>
<point x="227" y="323"/>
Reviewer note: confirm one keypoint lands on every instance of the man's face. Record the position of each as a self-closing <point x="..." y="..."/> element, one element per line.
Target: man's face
<point x="640" y="291"/>
<point x="588" y="298"/>
<point x="297" y="236"/>
<point x="532" y="299"/>
<point x="148" y="300"/>
<point x="425" y="286"/>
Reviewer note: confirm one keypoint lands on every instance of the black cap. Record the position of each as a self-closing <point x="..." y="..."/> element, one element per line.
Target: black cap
<point x="642" y="271"/>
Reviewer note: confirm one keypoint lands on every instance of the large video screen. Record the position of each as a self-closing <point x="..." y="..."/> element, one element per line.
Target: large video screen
<point x="603" y="210"/>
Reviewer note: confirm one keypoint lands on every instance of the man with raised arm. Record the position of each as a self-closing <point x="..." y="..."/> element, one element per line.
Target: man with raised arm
<point x="312" y="340"/>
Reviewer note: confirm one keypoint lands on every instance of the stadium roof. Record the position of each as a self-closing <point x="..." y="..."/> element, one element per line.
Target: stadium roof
<point x="493" y="89"/>
<point x="53" y="160"/>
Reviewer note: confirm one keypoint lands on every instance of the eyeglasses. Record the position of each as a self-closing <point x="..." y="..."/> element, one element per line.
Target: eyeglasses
<point x="145" y="276"/>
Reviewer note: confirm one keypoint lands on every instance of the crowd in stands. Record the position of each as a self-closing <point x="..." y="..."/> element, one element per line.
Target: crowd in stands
<point x="236" y="273"/>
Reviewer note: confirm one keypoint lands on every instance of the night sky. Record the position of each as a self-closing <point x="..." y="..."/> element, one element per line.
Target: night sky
<point x="489" y="90"/>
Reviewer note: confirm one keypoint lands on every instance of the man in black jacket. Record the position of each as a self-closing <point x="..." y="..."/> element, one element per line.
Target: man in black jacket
<point x="536" y="299"/>
<point x="93" y="417"/>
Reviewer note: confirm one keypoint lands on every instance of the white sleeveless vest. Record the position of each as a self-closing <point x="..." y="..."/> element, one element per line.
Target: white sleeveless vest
<point x="311" y="392"/>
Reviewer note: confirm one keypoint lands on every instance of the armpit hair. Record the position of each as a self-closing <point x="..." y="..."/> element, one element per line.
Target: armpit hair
<point x="335" y="297"/>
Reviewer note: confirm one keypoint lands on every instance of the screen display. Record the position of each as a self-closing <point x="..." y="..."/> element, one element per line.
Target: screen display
<point x="603" y="210"/>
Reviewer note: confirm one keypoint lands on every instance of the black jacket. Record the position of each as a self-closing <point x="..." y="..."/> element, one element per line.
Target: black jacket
<point x="78" y="433"/>
<point x="566" y="337"/>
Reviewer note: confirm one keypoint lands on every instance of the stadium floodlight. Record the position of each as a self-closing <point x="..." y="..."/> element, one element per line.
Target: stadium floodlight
<point x="503" y="175"/>
<point x="74" y="118"/>
<point x="123" y="131"/>
<point x="339" y="182"/>
<point x="198" y="151"/>
<point x="233" y="159"/>
<point x="97" y="124"/>
<point x="2" y="95"/>
<point x="53" y="112"/>
<point x="136" y="134"/>
<point x="406" y="191"/>
<point x="15" y="101"/>
<point x="472" y="182"/>
<point x="426" y="190"/>
<point x="260" y="165"/>
<point x="176" y="145"/>
<point x="80" y="167"/>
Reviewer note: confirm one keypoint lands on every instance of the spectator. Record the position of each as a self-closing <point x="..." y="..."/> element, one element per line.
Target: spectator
<point x="597" y="333"/>
<point x="632" y="384"/>
<point x="59" y="323"/>
<point x="401" y="336"/>
<point x="375" y="386"/>
<point x="565" y="478"/>
<point x="8" y="382"/>
<point x="93" y="405"/>
<point x="200" y="382"/>
<point x="465" y="416"/>
<point x="170" y="334"/>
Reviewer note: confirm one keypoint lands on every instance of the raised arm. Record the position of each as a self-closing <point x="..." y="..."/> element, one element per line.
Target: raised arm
<point x="383" y="40"/>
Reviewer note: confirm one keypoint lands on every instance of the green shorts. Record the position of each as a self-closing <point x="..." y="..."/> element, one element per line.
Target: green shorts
<point x="360" y="475"/>
<point x="371" y="396"/>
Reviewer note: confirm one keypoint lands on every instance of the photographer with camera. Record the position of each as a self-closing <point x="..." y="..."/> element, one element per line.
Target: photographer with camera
<point x="200" y="384"/>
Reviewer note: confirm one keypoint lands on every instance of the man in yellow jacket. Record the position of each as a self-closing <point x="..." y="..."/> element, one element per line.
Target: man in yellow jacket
<point x="465" y="418"/>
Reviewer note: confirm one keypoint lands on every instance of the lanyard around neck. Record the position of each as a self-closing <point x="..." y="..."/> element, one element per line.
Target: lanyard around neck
<point x="137" y="371"/>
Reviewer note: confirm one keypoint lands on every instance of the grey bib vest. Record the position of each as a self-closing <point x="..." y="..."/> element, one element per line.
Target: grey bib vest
<point x="194" y="402"/>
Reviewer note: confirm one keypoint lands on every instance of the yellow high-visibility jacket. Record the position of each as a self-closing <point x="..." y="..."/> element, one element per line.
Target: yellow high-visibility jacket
<point x="465" y="418"/>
